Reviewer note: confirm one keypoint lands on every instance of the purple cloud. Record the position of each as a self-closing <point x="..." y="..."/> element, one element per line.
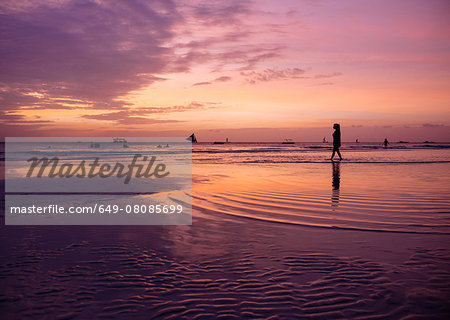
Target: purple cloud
<point x="92" y="52"/>
<point x="222" y="79"/>
<point x="221" y="12"/>
<point x="125" y="117"/>
<point x="329" y="75"/>
<point x="219" y="79"/>
<point x="141" y="115"/>
<point x="204" y="83"/>
<point x="272" y="74"/>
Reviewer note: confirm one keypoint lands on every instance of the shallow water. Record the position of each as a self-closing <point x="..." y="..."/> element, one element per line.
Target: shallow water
<point x="373" y="197"/>
<point x="308" y="152"/>
<point x="329" y="258"/>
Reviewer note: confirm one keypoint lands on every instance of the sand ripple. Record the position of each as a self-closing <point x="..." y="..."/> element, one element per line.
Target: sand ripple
<point x="86" y="280"/>
<point x="406" y="214"/>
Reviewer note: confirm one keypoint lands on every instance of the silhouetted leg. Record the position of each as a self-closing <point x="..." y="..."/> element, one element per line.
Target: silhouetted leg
<point x="339" y="154"/>
<point x="332" y="156"/>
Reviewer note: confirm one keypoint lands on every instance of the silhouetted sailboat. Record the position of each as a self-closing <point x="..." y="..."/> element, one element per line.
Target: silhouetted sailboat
<point x="192" y="138"/>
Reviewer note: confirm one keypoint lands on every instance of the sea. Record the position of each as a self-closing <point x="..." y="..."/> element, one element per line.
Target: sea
<point x="310" y="152"/>
<point x="278" y="232"/>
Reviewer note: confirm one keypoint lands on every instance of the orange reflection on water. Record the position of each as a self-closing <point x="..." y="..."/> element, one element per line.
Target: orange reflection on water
<point x="387" y="197"/>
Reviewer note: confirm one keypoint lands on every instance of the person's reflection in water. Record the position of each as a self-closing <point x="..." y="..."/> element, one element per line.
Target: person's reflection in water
<point x="336" y="184"/>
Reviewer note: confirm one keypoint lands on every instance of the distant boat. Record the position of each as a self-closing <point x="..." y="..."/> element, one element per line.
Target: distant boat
<point x="403" y="141"/>
<point x="221" y="142"/>
<point x="119" y="140"/>
<point x="192" y="138"/>
<point x="288" y="141"/>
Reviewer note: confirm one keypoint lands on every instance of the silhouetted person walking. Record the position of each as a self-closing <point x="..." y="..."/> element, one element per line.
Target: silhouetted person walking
<point x="336" y="140"/>
<point x="385" y="143"/>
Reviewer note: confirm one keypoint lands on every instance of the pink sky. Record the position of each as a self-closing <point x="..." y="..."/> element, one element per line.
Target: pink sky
<point x="248" y="70"/>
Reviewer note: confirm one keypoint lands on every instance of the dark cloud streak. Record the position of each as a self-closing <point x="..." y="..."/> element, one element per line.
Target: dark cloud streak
<point x="273" y="74"/>
<point x="219" y="79"/>
<point x="140" y="115"/>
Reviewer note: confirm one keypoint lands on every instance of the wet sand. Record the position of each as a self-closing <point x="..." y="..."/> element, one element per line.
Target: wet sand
<point x="234" y="266"/>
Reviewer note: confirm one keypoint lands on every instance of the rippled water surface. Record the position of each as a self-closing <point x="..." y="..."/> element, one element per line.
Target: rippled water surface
<point x="411" y="197"/>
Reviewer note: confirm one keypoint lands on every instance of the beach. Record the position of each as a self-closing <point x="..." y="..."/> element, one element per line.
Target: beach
<point x="225" y="159"/>
<point x="278" y="232"/>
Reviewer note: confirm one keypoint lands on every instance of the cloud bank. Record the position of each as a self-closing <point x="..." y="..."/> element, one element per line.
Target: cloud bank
<point x="84" y="52"/>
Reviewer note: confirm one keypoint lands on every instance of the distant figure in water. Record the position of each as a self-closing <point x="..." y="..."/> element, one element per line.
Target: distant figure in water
<point x="336" y="140"/>
<point x="357" y="140"/>
<point x="324" y="140"/>
<point x="385" y="143"/>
